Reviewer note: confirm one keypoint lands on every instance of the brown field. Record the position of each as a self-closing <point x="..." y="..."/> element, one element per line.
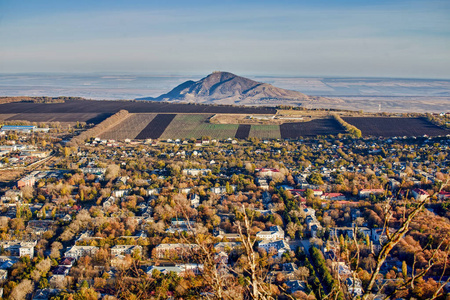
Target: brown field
<point x="313" y="128"/>
<point x="129" y="128"/>
<point x="94" y="118"/>
<point x="156" y="127"/>
<point x="103" y="106"/>
<point x="387" y="127"/>
<point x="243" y="131"/>
<point x="4" y="117"/>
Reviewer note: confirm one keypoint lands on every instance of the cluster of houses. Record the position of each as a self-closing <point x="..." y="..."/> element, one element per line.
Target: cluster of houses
<point x="15" y="155"/>
<point x="273" y="241"/>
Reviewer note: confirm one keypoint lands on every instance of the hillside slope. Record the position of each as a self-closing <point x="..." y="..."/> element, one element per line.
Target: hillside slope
<point x="228" y="88"/>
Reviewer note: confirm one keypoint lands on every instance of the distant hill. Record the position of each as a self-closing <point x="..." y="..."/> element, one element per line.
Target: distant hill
<point x="228" y="88"/>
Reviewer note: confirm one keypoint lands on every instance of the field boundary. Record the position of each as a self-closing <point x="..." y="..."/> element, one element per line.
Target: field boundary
<point x="156" y="127"/>
<point x="243" y="131"/>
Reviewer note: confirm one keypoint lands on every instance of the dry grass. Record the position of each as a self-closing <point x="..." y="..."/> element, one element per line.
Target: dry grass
<point x="257" y="119"/>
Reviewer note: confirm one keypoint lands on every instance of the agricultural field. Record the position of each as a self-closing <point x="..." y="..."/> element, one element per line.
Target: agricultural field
<point x="129" y="128"/>
<point x="194" y="126"/>
<point x="265" y="131"/>
<point x="185" y="125"/>
<point x="90" y="118"/>
<point x="387" y="127"/>
<point x="243" y="131"/>
<point x="313" y="128"/>
<point x="142" y="106"/>
<point x="4" y="117"/>
<point x="156" y="127"/>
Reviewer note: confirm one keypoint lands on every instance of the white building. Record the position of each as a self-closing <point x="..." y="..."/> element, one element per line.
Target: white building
<point x="268" y="173"/>
<point x="222" y="189"/>
<point x="420" y="194"/>
<point x="119" y="193"/>
<point x="95" y="171"/>
<point x="279" y="246"/>
<point x="19" y="248"/>
<point x="365" y="193"/>
<point x="180" y="269"/>
<point x="125" y="249"/>
<point x="196" y="172"/>
<point x="194" y="199"/>
<point x="78" y="251"/>
<point x="275" y="233"/>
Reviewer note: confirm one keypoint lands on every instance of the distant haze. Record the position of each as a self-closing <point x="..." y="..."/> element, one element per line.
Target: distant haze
<point x="401" y="38"/>
<point x="369" y="94"/>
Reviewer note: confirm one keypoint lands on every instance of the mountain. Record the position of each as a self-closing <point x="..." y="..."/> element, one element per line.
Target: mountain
<point x="228" y="88"/>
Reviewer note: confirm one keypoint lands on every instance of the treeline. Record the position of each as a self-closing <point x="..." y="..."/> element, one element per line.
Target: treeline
<point x="290" y="107"/>
<point x="97" y="130"/>
<point x="42" y="99"/>
<point x="324" y="272"/>
<point x="13" y="99"/>
<point x="443" y="122"/>
<point x="355" y="132"/>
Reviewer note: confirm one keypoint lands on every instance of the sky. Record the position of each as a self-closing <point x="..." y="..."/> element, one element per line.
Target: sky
<point x="395" y="38"/>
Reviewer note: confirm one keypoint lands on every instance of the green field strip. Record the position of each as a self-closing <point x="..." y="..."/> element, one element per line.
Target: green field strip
<point x="195" y="126"/>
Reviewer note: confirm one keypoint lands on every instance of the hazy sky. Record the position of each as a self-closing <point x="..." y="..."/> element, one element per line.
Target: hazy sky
<point x="392" y="38"/>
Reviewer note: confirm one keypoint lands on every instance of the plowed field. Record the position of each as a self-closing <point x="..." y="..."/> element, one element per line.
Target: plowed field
<point x="387" y="127"/>
<point x="313" y="128"/>
<point x="129" y="128"/>
<point x="156" y="127"/>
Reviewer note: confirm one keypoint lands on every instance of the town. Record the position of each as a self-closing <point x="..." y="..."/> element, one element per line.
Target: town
<point x="221" y="219"/>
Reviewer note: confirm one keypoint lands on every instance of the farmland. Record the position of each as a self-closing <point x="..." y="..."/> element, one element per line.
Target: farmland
<point x="92" y="106"/>
<point x="243" y="131"/>
<point x="195" y="126"/>
<point x="4" y="117"/>
<point x="192" y="121"/>
<point x="93" y="118"/>
<point x="395" y="126"/>
<point x="313" y="128"/>
<point x="156" y="127"/>
<point x="265" y="131"/>
<point x="129" y="128"/>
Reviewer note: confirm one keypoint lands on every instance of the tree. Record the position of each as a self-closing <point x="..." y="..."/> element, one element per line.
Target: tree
<point x="21" y="290"/>
<point x="404" y="270"/>
<point x="291" y="229"/>
<point x="256" y="285"/>
<point x="315" y="178"/>
<point x="394" y="238"/>
<point x="112" y="171"/>
<point x="44" y="266"/>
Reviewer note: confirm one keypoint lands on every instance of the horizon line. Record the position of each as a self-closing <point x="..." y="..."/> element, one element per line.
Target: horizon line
<point x="182" y="74"/>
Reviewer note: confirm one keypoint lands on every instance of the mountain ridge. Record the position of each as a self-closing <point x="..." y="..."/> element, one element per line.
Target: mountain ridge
<point x="228" y="88"/>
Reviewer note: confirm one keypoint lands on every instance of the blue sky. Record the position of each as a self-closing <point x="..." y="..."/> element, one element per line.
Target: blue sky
<point x="293" y="38"/>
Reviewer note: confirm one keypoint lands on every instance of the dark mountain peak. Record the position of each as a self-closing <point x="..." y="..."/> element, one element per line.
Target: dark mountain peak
<point x="228" y="88"/>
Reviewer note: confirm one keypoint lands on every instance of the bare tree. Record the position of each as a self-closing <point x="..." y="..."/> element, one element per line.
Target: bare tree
<point x="257" y="287"/>
<point x="394" y="239"/>
<point x="21" y="290"/>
